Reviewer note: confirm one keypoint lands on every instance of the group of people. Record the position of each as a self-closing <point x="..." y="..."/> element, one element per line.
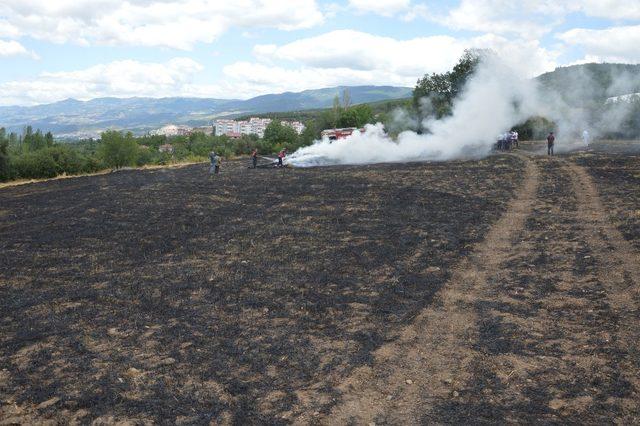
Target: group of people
<point x="216" y="160"/>
<point x="507" y="140"/>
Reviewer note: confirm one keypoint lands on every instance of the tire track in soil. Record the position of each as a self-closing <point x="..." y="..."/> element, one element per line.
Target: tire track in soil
<point x="557" y="330"/>
<point x="619" y="271"/>
<point x="435" y="353"/>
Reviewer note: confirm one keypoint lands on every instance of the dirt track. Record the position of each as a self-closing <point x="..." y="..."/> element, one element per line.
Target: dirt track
<point x="538" y="325"/>
<point x="465" y="292"/>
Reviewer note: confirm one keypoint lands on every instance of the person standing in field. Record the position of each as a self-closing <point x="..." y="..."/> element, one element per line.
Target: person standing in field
<point x="212" y="159"/>
<point x="281" y="156"/>
<point x="585" y="137"/>
<point x="551" y="139"/>
<point x="513" y="135"/>
<point x="254" y="157"/>
<point x="218" y="163"/>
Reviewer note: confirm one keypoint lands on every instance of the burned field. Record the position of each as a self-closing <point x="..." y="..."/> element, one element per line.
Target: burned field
<point x="618" y="180"/>
<point x="166" y="296"/>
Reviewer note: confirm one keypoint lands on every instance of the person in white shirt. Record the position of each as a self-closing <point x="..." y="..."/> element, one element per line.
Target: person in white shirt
<point x="585" y="137"/>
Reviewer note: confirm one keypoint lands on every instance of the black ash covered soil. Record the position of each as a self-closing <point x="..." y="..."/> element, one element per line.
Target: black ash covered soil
<point x="169" y="296"/>
<point x="618" y="178"/>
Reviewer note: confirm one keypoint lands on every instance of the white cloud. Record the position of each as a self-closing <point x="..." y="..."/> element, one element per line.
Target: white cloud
<point x="498" y="16"/>
<point x="417" y="11"/>
<point x="8" y="30"/>
<point x="380" y="7"/>
<point x="616" y="44"/>
<point x="13" y="48"/>
<point x="388" y="8"/>
<point x="531" y="18"/>
<point x="172" y="23"/>
<point x="366" y="52"/>
<point x="527" y="57"/>
<point x="609" y="9"/>
<point x="252" y="79"/>
<point x="120" y="78"/>
<point x="405" y="59"/>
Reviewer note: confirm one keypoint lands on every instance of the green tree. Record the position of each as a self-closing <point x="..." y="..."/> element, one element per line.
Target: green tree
<point x="346" y="98"/>
<point x="534" y="128"/>
<point x="278" y="135"/>
<point x="48" y="138"/>
<point x="14" y="140"/>
<point x="34" y="141"/>
<point x="36" y="164"/>
<point x="434" y="94"/>
<point x="5" y="173"/>
<point x="273" y="131"/>
<point x="27" y="138"/>
<point x="309" y="134"/>
<point x="336" y="110"/>
<point x="356" y="116"/>
<point x="465" y="68"/>
<point x="118" y="150"/>
<point x="325" y="121"/>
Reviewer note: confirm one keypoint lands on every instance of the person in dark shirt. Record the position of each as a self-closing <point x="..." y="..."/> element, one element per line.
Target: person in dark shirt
<point x="218" y="163"/>
<point x="212" y="158"/>
<point x="550" y="141"/>
<point x="281" y="156"/>
<point x="254" y="158"/>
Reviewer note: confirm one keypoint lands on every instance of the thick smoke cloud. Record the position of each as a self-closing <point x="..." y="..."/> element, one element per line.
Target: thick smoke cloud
<point x="495" y="99"/>
<point x="590" y="100"/>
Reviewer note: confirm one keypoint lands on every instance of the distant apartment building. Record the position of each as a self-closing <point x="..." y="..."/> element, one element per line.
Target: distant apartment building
<point x="253" y="126"/>
<point x="173" y="130"/>
<point x="297" y="126"/>
<point x="207" y="130"/>
<point x="232" y="128"/>
<point x="224" y="127"/>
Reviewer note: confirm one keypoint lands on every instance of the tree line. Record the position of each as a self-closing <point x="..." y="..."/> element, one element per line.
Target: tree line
<point x="34" y="154"/>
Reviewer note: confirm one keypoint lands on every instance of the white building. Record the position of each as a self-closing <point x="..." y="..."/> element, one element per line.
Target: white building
<point x="253" y="126"/>
<point x="207" y="130"/>
<point x="226" y="126"/>
<point x="297" y="126"/>
<point x="172" y="130"/>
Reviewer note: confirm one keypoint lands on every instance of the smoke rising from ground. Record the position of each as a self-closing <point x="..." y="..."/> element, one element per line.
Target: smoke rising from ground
<point x="584" y="103"/>
<point x="494" y="100"/>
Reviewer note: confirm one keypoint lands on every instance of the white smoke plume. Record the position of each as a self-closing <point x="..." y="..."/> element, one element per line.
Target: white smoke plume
<point x="494" y="99"/>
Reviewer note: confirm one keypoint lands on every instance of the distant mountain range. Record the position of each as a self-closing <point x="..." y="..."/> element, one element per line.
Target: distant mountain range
<point x="579" y="85"/>
<point x="72" y="118"/>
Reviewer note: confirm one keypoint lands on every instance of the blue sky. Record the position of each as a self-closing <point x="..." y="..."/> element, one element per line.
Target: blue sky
<point x="53" y="50"/>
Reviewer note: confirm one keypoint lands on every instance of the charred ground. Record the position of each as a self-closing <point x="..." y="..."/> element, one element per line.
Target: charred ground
<point x="502" y="290"/>
<point x="168" y="296"/>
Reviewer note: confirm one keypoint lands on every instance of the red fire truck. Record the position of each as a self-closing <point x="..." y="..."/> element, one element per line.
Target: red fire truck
<point x="335" y="134"/>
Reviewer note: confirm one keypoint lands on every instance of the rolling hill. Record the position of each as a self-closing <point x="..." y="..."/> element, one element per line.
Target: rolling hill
<point x="585" y="84"/>
<point x="73" y="118"/>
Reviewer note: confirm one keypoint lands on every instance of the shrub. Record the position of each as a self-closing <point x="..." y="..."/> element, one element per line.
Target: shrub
<point x="117" y="150"/>
<point x="68" y="160"/>
<point x="5" y="170"/>
<point x="92" y="164"/>
<point x="35" y="165"/>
